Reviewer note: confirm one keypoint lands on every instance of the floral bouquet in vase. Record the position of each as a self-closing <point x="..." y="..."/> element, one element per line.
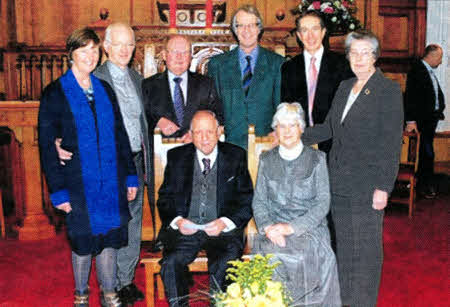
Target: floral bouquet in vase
<point x="252" y="285"/>
<point x="338" y="15"/>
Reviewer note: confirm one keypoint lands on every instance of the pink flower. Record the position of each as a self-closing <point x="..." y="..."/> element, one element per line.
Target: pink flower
<point x="345" y="4"/>
<point x="316" y="5"/>
<point x="328" y="10"/>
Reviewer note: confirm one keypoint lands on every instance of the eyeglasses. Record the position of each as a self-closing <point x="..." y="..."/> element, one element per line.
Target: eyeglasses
<point x="120" y="45"/>
<point x="178" y="52"/>
<point x="250" y="26"/>
<point x="363" y="53"/>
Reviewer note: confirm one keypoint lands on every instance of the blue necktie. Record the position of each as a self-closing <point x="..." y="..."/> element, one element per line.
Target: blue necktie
<point x="247" y="76"/>
<point x="178" y="100"/>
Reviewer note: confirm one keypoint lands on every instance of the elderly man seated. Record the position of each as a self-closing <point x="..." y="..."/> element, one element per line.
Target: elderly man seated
<point x="204" y="204"/>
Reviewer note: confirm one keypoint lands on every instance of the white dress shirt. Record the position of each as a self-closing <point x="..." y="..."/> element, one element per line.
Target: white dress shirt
<point x="318" y="55"/>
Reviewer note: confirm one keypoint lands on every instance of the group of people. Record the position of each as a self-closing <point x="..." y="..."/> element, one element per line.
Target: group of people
<point x="95" y="138"/>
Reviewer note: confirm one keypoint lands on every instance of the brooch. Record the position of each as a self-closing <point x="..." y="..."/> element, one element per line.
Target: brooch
<point x="367" y="91"/>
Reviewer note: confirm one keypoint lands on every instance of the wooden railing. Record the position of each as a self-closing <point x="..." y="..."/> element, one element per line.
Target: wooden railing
<point x="28" y="72"/>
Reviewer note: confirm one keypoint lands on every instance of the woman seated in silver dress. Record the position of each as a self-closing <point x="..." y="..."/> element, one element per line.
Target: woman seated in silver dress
<point x="290" y="204"/>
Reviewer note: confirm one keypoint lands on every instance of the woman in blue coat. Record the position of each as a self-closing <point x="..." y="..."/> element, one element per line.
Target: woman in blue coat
<point x="94" y="187"/>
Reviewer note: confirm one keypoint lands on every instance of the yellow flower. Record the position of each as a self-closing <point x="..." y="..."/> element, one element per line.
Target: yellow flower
<point x="234" y="302"/>
<point x="234" y="290"/>
<point x="247" y="294"/>
<point x="254" y="287"/>
<point x="274" y="285"/>
<point x="259" y="301"/>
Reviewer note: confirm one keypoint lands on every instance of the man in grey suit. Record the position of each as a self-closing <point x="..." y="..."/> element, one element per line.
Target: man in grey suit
<point x="119" y="44"/>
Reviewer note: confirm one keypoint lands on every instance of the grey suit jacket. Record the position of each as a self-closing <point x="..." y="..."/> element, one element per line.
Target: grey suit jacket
<point x="366" y="145"/>
<point x="103" y="73"/>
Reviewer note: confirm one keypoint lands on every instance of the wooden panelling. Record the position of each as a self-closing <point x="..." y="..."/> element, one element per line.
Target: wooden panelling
<point x="401" y="27"/>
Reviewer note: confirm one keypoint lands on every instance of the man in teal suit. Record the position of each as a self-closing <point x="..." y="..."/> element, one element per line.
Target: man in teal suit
<point x="247" y="79"/>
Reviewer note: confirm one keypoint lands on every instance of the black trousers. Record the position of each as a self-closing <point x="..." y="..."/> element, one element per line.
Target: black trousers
<point x="427" y="131"/>
<point x="180" y="250"/>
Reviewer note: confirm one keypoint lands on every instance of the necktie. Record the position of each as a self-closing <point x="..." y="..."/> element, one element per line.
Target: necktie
<point x="247" y="76"/>
<point x="206" y="166"/>
<point x="178" y="100"/>
<point x="312" y="88"/>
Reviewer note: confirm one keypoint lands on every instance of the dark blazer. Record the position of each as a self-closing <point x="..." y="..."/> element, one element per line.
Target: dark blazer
<point x="333" y="69"/>
<point x="420" y="96"/>
<point x="234" y="186"/>
<point x="102" y="72"/>
<point x="262" y="99"/>
<point x="158" y="100"/>
<point x="366" y="146"/>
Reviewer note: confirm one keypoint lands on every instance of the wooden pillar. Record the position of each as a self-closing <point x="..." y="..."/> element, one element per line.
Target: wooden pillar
<point x="21" y="117"/>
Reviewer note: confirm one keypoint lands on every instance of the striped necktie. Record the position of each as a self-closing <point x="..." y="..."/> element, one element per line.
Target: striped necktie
<point x="247" y="76"/>
<point x="178" y="100"/>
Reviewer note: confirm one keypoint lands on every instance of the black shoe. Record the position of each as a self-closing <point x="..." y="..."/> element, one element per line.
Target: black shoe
<point x="430" y="193"/>
<point x="130" y="294"/>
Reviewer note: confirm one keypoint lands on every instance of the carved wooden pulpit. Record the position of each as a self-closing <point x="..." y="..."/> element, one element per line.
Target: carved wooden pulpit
<point x="21" y="117"/>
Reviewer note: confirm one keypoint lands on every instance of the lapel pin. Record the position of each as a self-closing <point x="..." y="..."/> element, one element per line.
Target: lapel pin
<point x="367" y="91"/>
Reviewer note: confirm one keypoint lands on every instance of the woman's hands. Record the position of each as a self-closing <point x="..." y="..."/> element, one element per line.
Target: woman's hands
<point x="276" y="233"/>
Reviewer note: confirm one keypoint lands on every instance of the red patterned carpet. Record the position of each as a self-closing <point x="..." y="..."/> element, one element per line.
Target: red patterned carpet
<point x="415" y="272"/>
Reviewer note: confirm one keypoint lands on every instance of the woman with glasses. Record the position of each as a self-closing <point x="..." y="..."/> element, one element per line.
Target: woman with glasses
<point x="94" y="187"/>
<point x="365" y="124"/>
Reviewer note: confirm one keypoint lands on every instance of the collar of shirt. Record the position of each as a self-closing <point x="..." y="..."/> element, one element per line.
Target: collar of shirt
<point x="291" y="154"/>
<point x="243" y="61"/>
<point x="212" y="156"/>
<point x="318" y="55"/>
<point x="183" y="83"/>
<point x="116" y="72"/>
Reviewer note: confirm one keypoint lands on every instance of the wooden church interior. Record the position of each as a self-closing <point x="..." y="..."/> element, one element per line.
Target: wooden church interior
<point x="32" y="54"/>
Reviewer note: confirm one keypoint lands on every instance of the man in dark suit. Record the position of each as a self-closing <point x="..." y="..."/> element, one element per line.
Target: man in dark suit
<point x="204" y="203"/>
<point x="247" y="79"/>
<point x="424" y="107"/>
<point x="119" y="44"/>
<point x="312" y="77"/>
<point x="172" y="97"/>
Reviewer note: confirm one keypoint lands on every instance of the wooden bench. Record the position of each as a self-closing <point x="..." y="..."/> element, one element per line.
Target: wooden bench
<point x="200" y="264"/>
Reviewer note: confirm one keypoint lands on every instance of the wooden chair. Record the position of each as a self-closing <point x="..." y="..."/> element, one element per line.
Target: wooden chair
<point x="409" y="161"/>
<point x="200" y="264"/>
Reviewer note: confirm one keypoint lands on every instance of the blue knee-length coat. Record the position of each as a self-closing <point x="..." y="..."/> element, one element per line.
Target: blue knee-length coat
<point x="95" y="180"/>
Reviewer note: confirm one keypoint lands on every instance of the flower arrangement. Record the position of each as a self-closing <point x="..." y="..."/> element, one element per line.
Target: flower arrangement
<point x="252" y="285"/>
<point x="338" y="15"/>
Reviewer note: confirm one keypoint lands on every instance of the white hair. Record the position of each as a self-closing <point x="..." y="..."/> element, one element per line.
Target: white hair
<point x="114" y="25"/>
<point x="289" y="111"/>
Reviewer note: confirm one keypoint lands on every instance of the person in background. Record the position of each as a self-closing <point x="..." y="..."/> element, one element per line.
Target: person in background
<point x="365" y="124"/>
<point x="93" y="187"/>
<point x="424" y="108"/>
<point x="290" y="205"/>
<point x="119" y="45"/>
<point x="247" y="79"/>
<point x="313" y="76"/>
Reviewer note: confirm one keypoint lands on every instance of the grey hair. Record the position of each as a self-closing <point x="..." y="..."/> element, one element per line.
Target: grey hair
<point x="289" y="111"/>
<point x="114" y="25"/>
<point x="204" y="111"/>
<point x="364" y="35"/>
<point x="250" y="9"/>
